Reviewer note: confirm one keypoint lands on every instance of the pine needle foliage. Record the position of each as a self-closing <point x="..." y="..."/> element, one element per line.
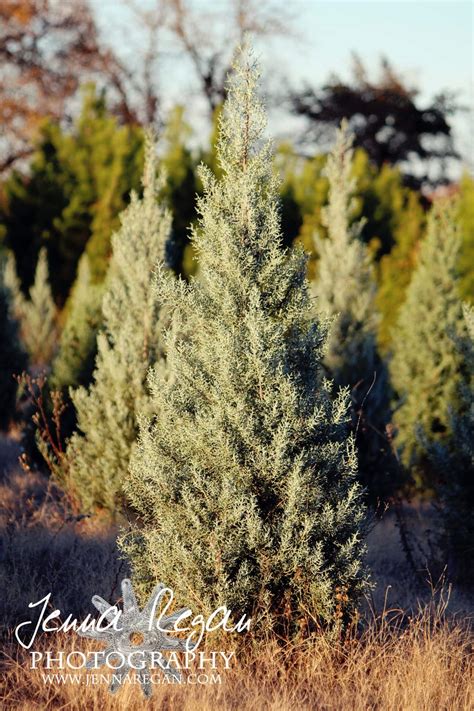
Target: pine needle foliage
<point x="425" y="365"/>
<point x="12" y="283"/>
<point x="345" y="289"/>
<point x="454" y="464"/>
<point x="245" y="479"/>
<point x="37" y="314"/>
<point x="12" y="355"/>
<point x="129" y="343"/>
<point x="39" y="325"/>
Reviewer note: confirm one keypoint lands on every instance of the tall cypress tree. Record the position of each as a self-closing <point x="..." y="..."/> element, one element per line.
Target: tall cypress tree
<point x="130" y="341"/>
<point x="454" y="465"/>
<point x="245" y="475"/>
<point x="425" y="365"/>
<point x="346" y="291"/>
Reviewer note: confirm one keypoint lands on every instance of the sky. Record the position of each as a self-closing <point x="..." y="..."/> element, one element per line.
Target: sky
<point x="431" y="43"/>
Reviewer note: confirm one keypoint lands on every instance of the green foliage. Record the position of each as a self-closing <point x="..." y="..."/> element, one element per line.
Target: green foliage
<point x="454" y="463"/>
<point x="425" y="364"/>
<point x="33" y="203"/>
<point x="74" y="363"/>
<point x="179" y="167"/>
<point x="381" y="200"/>
<point x="388" y="208"/>
<point x="78" y="183"/>
<point x="346" y="290"/>
<point x="128" y="344"/>
<point x="303" y="181"/>
<point x="345" y="284"/>
<point x="39" y="318"/>
<point x="396" y="268"/>
<point x="245" y="474"/>
<point x="108" y="161"/>
<point x="209" y="155"/>
<point x="466" y="220"/>
<point x="12" y="356"/>
<point x="37" y="314"/>
<point x="12" y="282"/>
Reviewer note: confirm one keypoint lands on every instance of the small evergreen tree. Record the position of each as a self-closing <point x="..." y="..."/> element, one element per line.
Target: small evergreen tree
<point x="379" y="196"/>
<point x="425" y="365"/>
<point x="37" y="315"/>
<point x="74" y="363"/>
<point x="346" y="290"/>
<point x="245" y="475"/>
<point x="12" y="282"/>
<point x="12" y="356"/>
<point x="454" y="465"/>
<point x="130" y="341"/>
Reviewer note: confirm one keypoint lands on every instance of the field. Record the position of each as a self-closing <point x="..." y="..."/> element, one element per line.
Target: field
<point x="411" y="650"/>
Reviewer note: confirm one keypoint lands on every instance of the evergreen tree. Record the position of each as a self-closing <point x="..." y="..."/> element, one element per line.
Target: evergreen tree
<point x="33" y="202"/>
<point x="396" y="268"/>
<point x="74" y="363"/>
<point x="108" y="161"/>
<point x="392" y="213"/>
<point x="466" y="220"/>
<point x="78" y="182"/>
<point x="425" y="363"/>
<point x="130" y="341"/>
<point x="12" y="282"/>
<point x="346" y="290"/>
<point x="179" y="166"/>
<point x="37" y="314"/>
<point x="454" y="465"/>
<point x="12" y="356"/>
<point x="245" y="474"/>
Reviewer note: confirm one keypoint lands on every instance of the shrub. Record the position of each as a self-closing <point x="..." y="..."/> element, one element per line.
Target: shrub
<point x="346" y="291"/>
<point x="425" y="365"/>
<point x="37" y="315"/>
<point x="130" y="341"/>
<point x="454" y="463"/>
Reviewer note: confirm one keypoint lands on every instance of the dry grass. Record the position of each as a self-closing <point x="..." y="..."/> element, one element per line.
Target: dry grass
<point x="44" y="548"/>
<point x="393" y="661"/>
<point x="419" y="664"/>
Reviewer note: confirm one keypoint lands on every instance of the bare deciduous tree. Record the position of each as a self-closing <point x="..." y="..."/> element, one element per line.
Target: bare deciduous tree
<point x="48" y="48"/>
<point x="209" y="37"/>
<point x="45" y="46"/>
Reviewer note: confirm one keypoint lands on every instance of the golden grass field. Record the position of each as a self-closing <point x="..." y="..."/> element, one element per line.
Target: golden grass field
<point x="424" y="664"/>
<point x="411" y="650"/>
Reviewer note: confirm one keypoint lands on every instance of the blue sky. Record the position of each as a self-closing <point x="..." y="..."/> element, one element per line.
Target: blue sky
<point x="429" y="42"/>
